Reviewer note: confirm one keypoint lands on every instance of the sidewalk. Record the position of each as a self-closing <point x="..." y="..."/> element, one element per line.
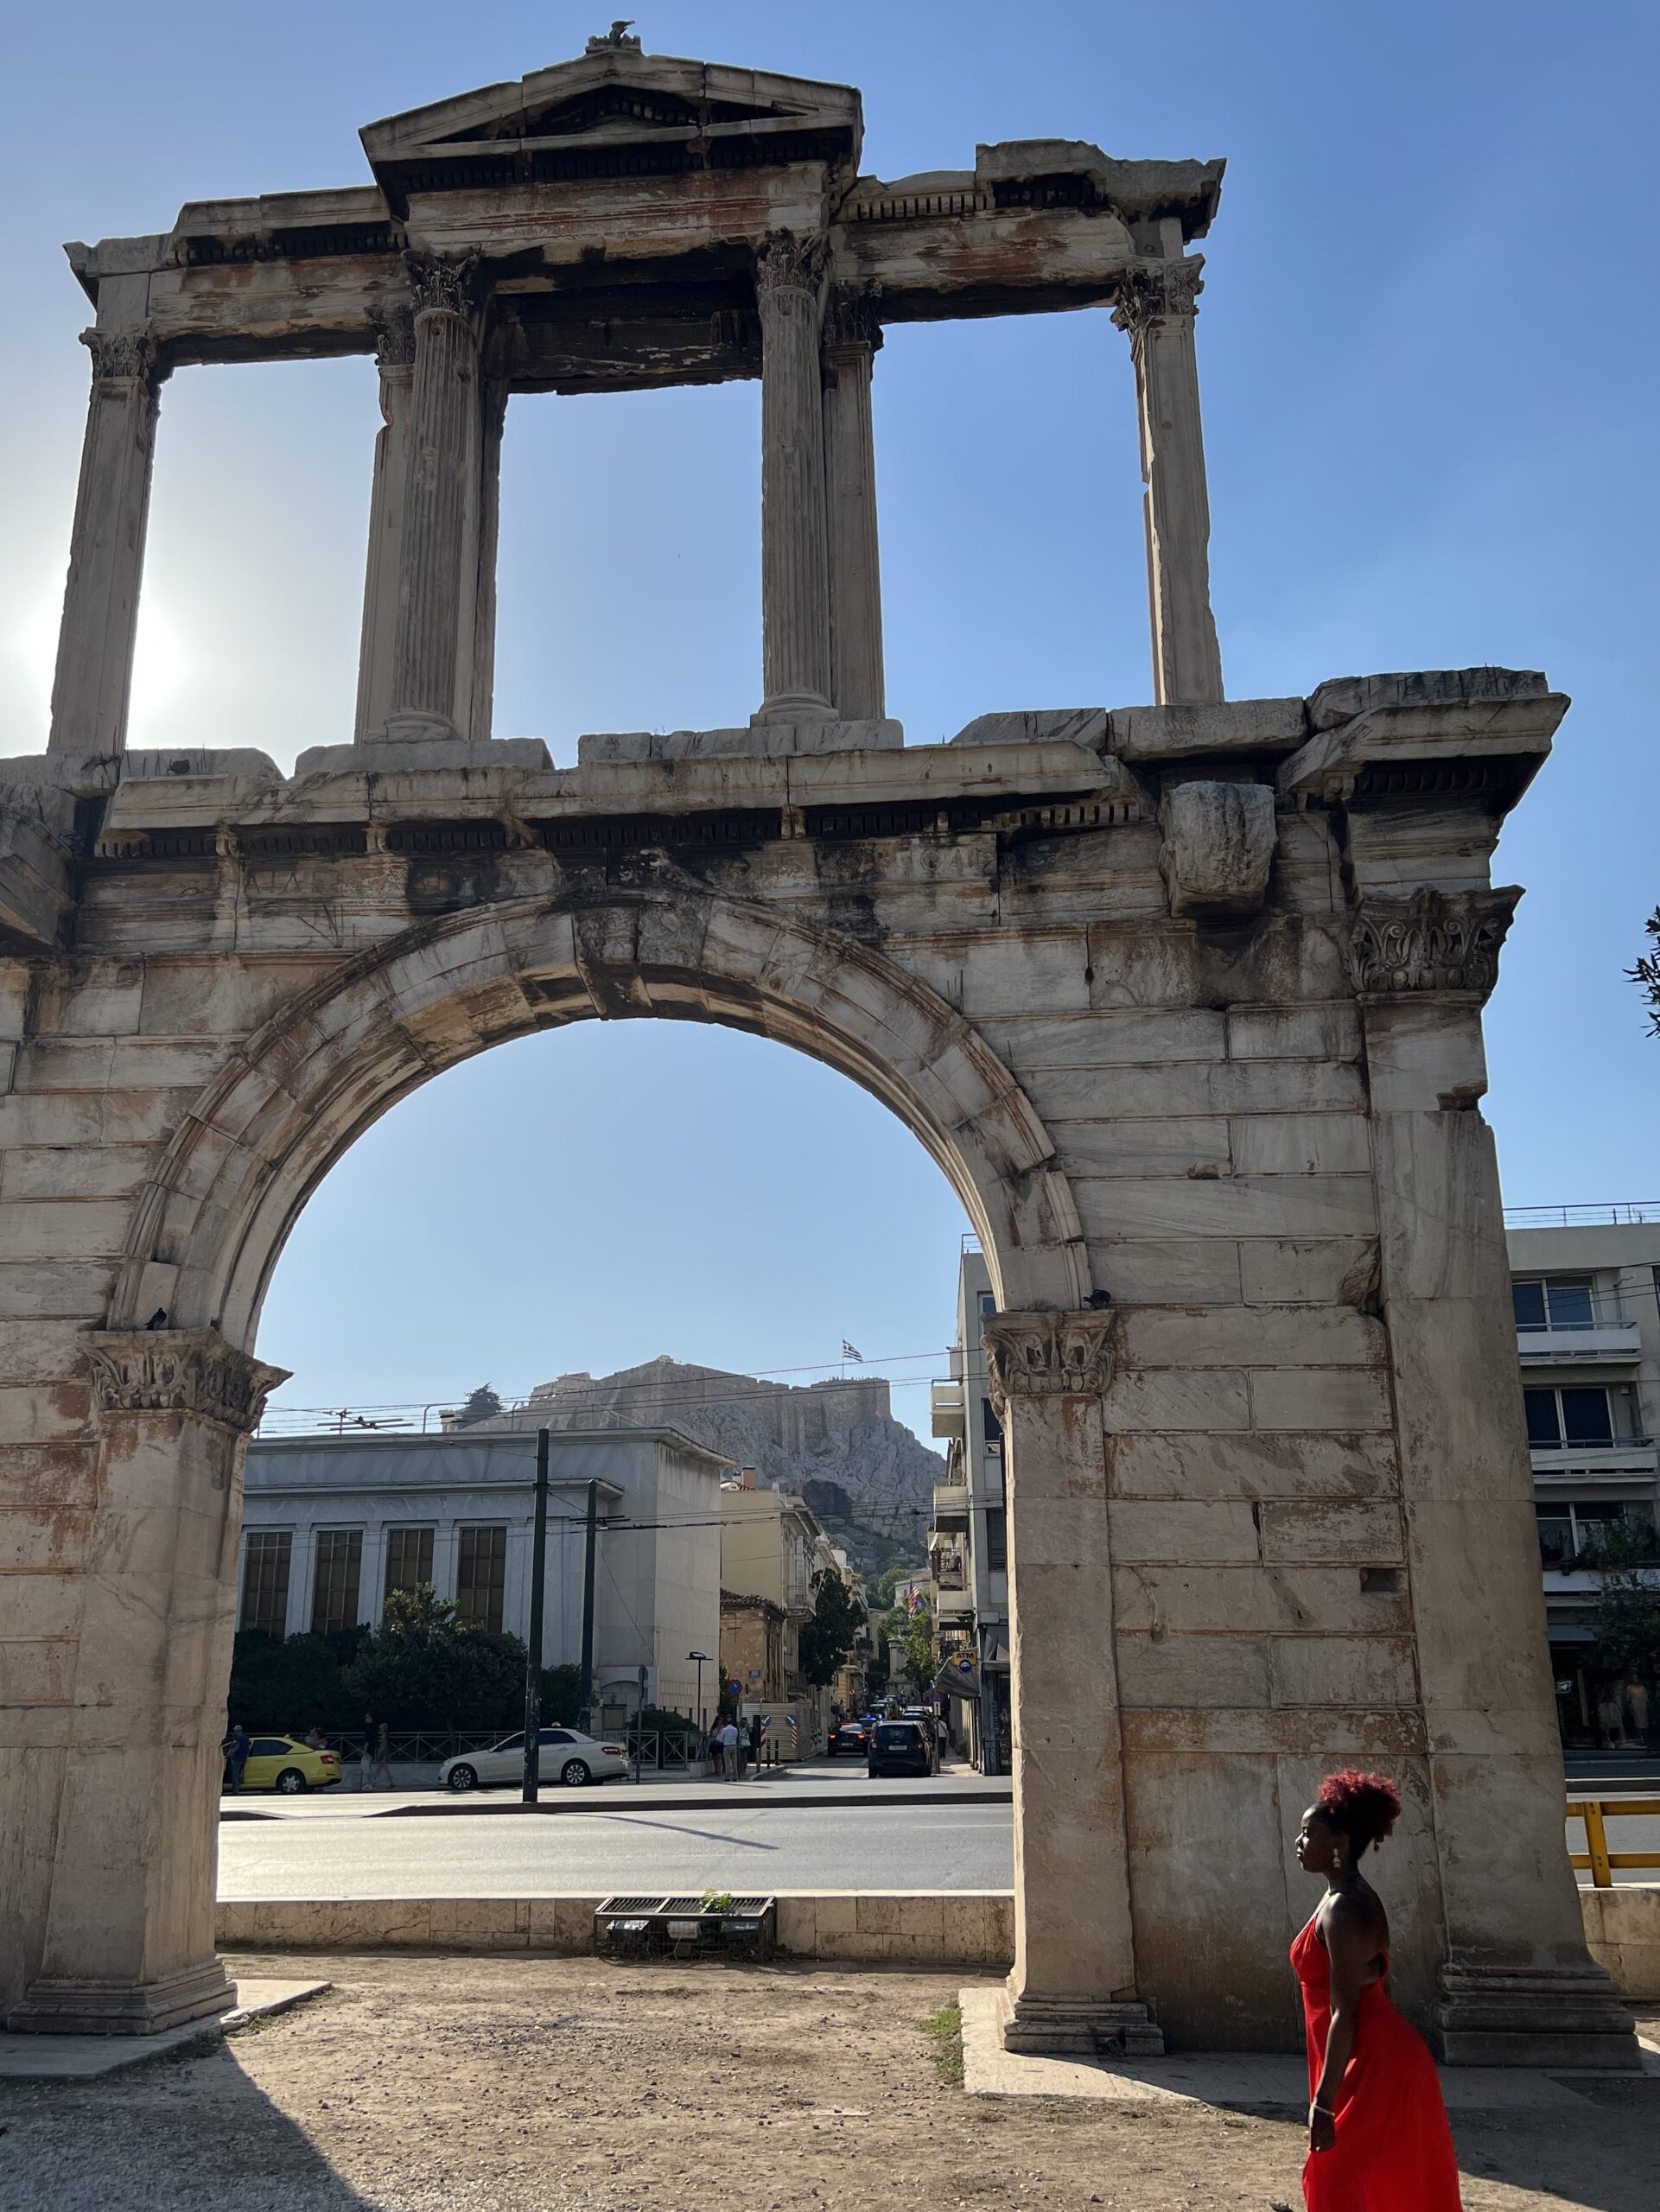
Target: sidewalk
<point x="815" y="1784"/>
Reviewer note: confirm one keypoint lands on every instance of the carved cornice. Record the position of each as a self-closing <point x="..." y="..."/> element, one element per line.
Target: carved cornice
<point x="395" y="337"/>
<point x="852" y="319"/>
<point x="443" y="284"/>
<point x="1434" y="941"/>
<point x="1152" y="291"/>
<point x="1047" y="1355"/>
<point x="790" y="261"/>
<point x="180" y="1371"/>
<point x="124" y="357"/>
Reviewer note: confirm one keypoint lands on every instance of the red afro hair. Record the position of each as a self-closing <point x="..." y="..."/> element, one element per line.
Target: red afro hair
<point x="1362" y="1807"/>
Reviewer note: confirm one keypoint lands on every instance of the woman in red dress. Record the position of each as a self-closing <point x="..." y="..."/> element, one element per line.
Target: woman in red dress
<point x="1378" y="2135"/>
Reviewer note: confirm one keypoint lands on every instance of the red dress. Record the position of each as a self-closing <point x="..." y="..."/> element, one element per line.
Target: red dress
<point x="1394" y="2151"/>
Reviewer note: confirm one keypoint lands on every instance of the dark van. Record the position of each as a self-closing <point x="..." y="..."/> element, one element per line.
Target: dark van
<point x="898" y="1747"/>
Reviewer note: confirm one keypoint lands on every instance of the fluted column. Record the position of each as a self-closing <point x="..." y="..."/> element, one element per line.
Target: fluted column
<point x="129" y="1939"/>
<point x="1157" y="305"/>
<point x="93" y="683"/>
<point x="1073" y="1985"/>
<point x="852" y="334"/>
<point x="395" y="356"/>
<point x="795" y="581"/>
<point x="438" y="562"/>
<point x="492" y="420"/>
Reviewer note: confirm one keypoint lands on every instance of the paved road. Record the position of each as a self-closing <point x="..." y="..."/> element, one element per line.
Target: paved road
<point x="920" y="1846"/>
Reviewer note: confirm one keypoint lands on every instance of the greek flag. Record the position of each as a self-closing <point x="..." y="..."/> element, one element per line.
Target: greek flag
<point x="851" y="1352"/>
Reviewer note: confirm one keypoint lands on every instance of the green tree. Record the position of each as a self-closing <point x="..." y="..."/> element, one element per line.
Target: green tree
<point x="288" y="1686"/>
<point x="423" y="1667"/>
<point x="1625" y="1554"/>
<point x="1646" y="974"/>
<point x="910" y="1638"/>
<point x="833" y="1629"/>
<point x="482" y="1404"/>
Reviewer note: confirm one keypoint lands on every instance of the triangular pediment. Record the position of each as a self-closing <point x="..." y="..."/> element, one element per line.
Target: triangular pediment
<point x="616" y="95"/>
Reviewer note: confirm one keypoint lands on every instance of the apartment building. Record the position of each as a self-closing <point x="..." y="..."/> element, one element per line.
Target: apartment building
<point x="772" y="1550"/>
<point x="332" y="1525"/>
<point x="1585" y="1283"/>
<point x="967" y="1544"/>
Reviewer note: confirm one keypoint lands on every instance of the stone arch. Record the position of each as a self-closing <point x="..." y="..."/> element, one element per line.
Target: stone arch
<point x="212" y="1218"/>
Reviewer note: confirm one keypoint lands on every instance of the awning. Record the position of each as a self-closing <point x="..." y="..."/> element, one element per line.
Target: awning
<point x="959" y="1677"/>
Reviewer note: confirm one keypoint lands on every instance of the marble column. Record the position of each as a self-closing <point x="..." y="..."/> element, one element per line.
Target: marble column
<point x="795" y="581"/>
<point x="1157" y="305"/>
<point x="433" y="665"/>
<point x="93" y="683"/>
<point x="129" y="1945"/>
<point x="492" y="419"/>
<point x="395" y="356"/>
<point x="1073" y="1985"/>
<point x="852" y="334"/>
<point x="1517" y="1986"/>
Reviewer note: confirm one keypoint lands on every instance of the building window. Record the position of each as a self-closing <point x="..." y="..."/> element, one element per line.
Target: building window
<point x="1556" y="1418"/>
<point x="1555" y="1302"/>
<point x="988" y="1305"/>
<point x="266" y="1556"/>
<point x="993" y="1427"/>
<point x="481" y="1577"/>
<point x="334" y="1584"/>
<point x="408" y="1559"/>
<point x="1563" y="1529"/>
<point x="996" y="1536"/>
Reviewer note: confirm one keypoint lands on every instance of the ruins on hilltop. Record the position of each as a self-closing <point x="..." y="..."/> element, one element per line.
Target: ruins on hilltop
<point x="1184" y="997"/>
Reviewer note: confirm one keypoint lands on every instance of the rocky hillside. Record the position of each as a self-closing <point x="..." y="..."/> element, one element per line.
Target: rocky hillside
<point x="835" y="1444"/>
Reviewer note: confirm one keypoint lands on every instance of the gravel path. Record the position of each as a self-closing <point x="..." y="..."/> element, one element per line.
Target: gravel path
<point x="489" y="2085"/>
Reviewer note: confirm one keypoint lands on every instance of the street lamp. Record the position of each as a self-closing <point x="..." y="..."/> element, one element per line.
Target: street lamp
<point x="701" y="1658"/>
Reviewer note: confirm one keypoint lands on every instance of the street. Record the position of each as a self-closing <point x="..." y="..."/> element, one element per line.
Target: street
<point x="863" y="1846"/>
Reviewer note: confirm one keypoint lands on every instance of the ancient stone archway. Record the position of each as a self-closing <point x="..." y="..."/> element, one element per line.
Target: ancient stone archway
<point x="1185" y="999"/>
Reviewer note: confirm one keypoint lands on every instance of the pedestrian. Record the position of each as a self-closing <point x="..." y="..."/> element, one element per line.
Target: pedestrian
<point x="383" y="1765"/>
<point x="757" y="1738"/>
<point x="236" y="1748"/>
<point x="313" y="1738"/>
<point x="366" y="1764"/>
<point x="1378" y="2132"/>
<point x="729" y="1752"/>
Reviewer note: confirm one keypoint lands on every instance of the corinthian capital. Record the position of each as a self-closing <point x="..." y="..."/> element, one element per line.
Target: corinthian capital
<point x="1047" y="1355"/>
<point x="852" y="319"/>
<point x="394" y="337"/>
<point x="443" y="284"/>
<point x="123" y="356"/>
<point x="790" y="262"/>
<point x="1152" y="291"/>
<point x="180" y="1371"/>
<point x="1433" y="941"/>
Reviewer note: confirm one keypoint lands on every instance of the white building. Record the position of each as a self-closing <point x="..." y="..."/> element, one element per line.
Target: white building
<point x="1585" y="1283"/>
<point x="967" y="1544"/>
<point x="332" y="1524"/>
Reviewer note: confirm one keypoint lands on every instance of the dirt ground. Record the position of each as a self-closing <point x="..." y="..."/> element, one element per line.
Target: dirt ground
<point x="498" y="2085"/>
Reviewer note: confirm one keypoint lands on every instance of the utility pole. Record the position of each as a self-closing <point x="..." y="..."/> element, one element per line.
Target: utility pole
<point x="591" y="1545"/>
<point x="533" y="1658"/>
<point x="700" y="1659"/>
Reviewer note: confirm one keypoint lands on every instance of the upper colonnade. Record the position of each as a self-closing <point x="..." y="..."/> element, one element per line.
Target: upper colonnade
<point x="622" y="222"/>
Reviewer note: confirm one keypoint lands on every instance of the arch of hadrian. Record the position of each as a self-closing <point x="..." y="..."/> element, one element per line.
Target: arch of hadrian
<point x="1185" y="999"/>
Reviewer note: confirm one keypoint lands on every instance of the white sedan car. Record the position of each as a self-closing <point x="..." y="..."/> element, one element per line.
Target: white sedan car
<point x="567" y="1756"/>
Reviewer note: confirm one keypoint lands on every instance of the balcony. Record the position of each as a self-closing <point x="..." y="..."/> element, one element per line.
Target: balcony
<point x="1610" y="1338"/>
<point x="951" y="1505"/>
<point x="948" y="1411"/>
<point x="1632" y="1458"/>
<point x="955" y="1605"/>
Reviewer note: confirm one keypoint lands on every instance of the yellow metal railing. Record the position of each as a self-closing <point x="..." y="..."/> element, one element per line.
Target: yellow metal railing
<point x="1593" y="1811"/>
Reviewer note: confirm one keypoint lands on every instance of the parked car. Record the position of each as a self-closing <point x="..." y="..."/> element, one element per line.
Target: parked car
<point x="849" y="1736"/>
<point x="898" y="1747"/>
<point x="284" y="1764"/>
<point x="567" y="1756"/>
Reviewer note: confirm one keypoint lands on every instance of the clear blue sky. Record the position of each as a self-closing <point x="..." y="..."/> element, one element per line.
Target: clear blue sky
<point x="1427" y="355"/>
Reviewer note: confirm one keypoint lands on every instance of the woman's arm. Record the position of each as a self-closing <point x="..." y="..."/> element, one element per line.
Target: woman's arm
<point x="1350" y="1946"/>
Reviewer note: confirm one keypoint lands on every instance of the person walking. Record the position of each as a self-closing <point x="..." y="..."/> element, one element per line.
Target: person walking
<point x="729" y="1752"/>
<point x="366" y="1764"/>
<point x="1378" y="2132"/>
<point x="757" y="1738"/>
<point x="236" y="1748"/>
<point x="382" y="1769"/>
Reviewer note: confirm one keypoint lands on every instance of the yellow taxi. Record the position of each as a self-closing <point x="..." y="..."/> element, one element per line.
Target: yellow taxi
<point x="285" y="1763"/>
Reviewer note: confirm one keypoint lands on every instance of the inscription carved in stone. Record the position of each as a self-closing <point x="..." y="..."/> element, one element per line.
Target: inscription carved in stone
<point x="180" y="1371"/>
<point x="1048" y="1356"/>
<point x="1434" y="941"/>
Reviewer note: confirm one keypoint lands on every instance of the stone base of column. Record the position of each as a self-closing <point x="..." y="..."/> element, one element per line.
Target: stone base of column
<point x="1063" y="2027"/>
<point x="379" y="759"/>
<point x="413" y="726"/>
<point x="62" y="2005"/>
<point x="794" y="706"/>
<point x="1560" y="2017"/>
